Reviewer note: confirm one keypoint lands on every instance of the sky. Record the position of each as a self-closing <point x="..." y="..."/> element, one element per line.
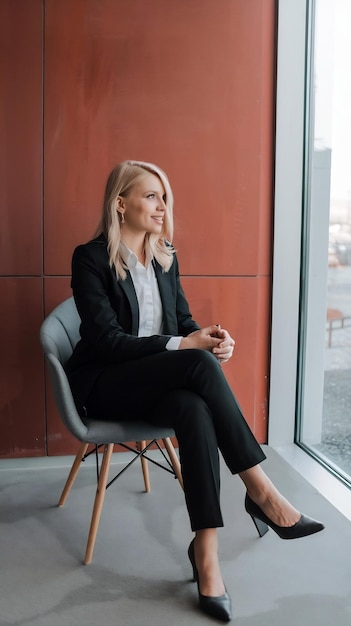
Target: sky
<point x="333" y="91"/>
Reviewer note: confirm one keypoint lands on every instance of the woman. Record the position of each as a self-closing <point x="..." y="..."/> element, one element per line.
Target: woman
<point x="142" y="355"/>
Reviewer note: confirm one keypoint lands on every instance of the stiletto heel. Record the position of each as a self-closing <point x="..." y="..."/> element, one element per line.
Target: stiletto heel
<point x="219" y="607"/>
<point x="261" y="527"/>
<point x="304" y="527"/>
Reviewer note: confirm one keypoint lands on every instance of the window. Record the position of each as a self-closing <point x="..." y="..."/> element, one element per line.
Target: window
<point x="324" y="392"/>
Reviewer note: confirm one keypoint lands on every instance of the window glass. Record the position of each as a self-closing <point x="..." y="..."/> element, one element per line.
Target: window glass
<point x="325" y="363"/>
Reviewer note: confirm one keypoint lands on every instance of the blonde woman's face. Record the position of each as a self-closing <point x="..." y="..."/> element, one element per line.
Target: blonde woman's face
<point x="144" y="208"/>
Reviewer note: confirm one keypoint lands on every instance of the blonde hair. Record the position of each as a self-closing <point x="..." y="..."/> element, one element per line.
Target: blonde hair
<point x="119" y="183"/>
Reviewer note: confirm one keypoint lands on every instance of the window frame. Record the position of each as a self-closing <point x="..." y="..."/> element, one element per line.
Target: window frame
<point x="288" y="195"/>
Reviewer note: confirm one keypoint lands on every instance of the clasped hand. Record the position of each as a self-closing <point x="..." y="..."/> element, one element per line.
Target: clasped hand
<point x="214" y="339"/>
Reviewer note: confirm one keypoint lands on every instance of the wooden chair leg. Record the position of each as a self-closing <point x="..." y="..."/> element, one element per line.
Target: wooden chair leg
<point x="144" y="466"/>
<point x="99" y="501"/>
<point x="73" y="473"/>
<point x="174" y="460"/>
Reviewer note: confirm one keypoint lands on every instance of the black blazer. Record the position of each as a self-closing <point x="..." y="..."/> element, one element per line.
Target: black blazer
<point x="109" y="314"/>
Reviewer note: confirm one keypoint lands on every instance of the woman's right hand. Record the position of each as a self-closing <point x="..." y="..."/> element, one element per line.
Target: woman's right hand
<point x="203" y="339"/>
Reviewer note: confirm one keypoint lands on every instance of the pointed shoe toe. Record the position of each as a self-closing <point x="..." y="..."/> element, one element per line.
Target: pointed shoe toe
<point x="304" y="527"/>
<point x="219" y="607"/>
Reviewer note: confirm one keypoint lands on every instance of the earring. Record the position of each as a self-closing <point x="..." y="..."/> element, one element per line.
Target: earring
<point x="122" y="218"/>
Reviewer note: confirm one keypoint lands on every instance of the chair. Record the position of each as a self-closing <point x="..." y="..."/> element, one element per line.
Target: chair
<point x="59" y="334"/>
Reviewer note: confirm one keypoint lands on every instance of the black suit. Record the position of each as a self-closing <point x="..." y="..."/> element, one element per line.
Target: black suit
<point x="114" y="372"/>
<point x="109" y="312"/>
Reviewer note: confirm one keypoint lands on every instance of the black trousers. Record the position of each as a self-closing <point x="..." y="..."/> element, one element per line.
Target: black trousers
<point x="187" y="390"/>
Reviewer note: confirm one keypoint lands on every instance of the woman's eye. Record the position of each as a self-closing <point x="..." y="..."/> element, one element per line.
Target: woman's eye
<point x="164" y="198"/>
<point x="150" y="195"/>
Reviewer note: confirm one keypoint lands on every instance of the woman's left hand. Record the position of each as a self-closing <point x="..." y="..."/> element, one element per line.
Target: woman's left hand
<point x="225" y="349"/>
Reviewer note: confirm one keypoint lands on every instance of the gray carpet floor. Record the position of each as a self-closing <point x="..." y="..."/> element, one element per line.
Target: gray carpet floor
<point x="140" y="575"/>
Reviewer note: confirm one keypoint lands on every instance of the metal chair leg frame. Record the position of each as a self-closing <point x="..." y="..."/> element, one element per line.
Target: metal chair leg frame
<point x="173" y="461"/>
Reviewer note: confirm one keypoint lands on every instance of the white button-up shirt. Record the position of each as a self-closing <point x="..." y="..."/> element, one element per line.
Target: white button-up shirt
<point x="148" y="296"/>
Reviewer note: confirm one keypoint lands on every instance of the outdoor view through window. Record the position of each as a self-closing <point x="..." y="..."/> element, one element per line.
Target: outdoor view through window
<point x="326" y="388"/>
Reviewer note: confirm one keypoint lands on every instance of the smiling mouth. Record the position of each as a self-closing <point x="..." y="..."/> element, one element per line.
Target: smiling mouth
<point x="159" y="220"/>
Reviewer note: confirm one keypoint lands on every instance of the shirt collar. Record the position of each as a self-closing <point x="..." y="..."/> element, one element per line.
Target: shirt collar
<point x="130" y="258"/>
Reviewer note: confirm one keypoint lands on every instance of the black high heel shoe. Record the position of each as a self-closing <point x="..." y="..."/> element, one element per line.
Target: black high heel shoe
<point x="219" y="607"/>
<point x="305" y="526"/>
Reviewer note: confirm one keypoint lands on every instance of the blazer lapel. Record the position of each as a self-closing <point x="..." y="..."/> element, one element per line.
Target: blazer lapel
<point x="128" y="288"/>
<point x="167" y="299"/>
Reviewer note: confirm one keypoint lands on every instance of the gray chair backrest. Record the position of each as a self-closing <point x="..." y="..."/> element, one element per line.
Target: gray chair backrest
<point x="60" y="331"/>
<point x="59" y="334"/>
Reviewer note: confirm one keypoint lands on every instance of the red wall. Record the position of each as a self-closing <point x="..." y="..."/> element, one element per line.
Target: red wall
<point x="188" y="85"/>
